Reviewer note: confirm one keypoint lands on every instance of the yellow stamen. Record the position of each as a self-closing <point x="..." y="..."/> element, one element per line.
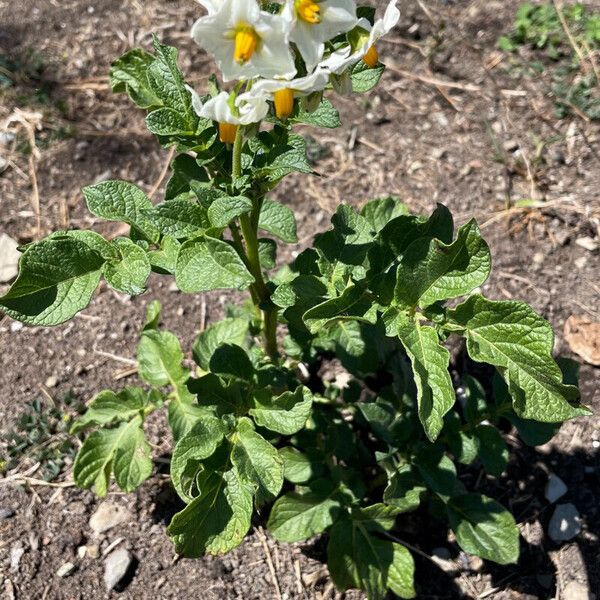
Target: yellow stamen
<point x="227" y="132"/>
<point x="246" y="40"/>
<point x="371" y="58"/>
<point x="284" y="103"/>
<point x="309" y="11"/>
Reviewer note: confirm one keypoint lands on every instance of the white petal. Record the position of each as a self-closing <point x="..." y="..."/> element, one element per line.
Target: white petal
<point x="305" y="36"/>
<point x="253" y="107"/>
<point x="217" y="109"/>
<point x="337" y="16"/>
<point x="196" y="101"/>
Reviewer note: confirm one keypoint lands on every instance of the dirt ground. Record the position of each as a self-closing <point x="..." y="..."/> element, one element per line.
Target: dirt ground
<point x="453" y="121"/>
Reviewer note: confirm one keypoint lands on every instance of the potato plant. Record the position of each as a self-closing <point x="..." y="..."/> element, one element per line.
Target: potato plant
<point x="254" y="424"/>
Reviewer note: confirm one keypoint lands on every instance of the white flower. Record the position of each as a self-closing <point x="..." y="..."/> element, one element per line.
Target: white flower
<point x="283" y="92"/>
<point x="244" y="110"/>
<point x="317" y="21"/>
<point x="340" y="60"/>
<point x="246" y="41"/>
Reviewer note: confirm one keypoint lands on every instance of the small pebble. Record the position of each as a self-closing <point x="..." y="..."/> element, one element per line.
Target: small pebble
<point x="565" y="523"/>
<point x="576" y="591"/>
<point x="6" y="513"/>
<point x="116" y="566"/>
<point x="555" y="488"/>
<point x="65" y="570"/>
<point x="52" y="381"/>
<point x="587" y="243"/>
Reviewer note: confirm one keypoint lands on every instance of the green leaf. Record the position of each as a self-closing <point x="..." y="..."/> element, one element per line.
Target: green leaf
<point x="512" y="337"/>
<point x="430" y="361"/>
<point x="365" y="78"/>
<point x="159" y="358"/>
<point x="227" y="331"/>
<point x="355" y="304"/>
<point x="108" y="407"/>
<point x="284" y="155"/>
<point x="231" y="361"/>
<point x="278" y="220"/>
<point x="484" y="528"/>
<point x="179" y="218"/>
<point x="326" y="115"/>
<point x="296" y="517"/>
<point x="183" y="412"/>
<point x="377" y="515"/>
<point x="165" y="259"/>
<point x="493" y="452"/>
<point x="167" y="82"/>
<point x="207" y="264"/>
<point x="191" y="450"/>
<point x="153" y="311"/>
<point x="285" y="414"/>
<point x="168" y="121"/>
<point x="404" y="490"/>
<point x="381" y="211"/>
<point x="216" y="521"/>
<point x="297" y="466"/>
<point x="402" y="231"/>
<point x="129" y="74"/>
<point x="401" y="574"/>
<point x="123" y="450"/>
<point x="121" y="201"/>
<point x="57" y="278"/>
<point x="130" y="274"/>
<point x="431" y="271"/>
<point x="267" y="253"/>
<point x="224" y="210"/>
<point x="257" y="461"/>
<point x="439" y="473"/>
<point x="349" y="240"/>
<point x="357" y="559"/>
<point x="95" y="241"/>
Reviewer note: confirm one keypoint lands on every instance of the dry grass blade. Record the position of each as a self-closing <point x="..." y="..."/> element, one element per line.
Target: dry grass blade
<point x="263" y="540"/>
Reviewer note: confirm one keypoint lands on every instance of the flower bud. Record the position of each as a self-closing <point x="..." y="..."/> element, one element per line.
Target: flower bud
<point x="284" y="103"/>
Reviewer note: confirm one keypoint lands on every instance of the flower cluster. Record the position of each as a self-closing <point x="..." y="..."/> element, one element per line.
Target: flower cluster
<point x="280" y="51"/>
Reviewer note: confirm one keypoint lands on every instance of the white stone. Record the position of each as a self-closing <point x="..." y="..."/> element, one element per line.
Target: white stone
<point x="115" y="567"/>
<point x="565" y="523"/>
<point x="587" y="243"/>
<point x="65" y="570"/>
<point x="107" y="516"/>
<point x="555" y="488"/>
<point x="576" y="591"/>
<point x="9" y="258"/>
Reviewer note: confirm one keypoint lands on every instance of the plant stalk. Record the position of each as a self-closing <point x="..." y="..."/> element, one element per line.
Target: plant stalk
<point x="258" y="290"/>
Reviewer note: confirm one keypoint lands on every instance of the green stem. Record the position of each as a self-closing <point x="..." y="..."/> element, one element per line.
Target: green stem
<point x="259" y="291"/>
